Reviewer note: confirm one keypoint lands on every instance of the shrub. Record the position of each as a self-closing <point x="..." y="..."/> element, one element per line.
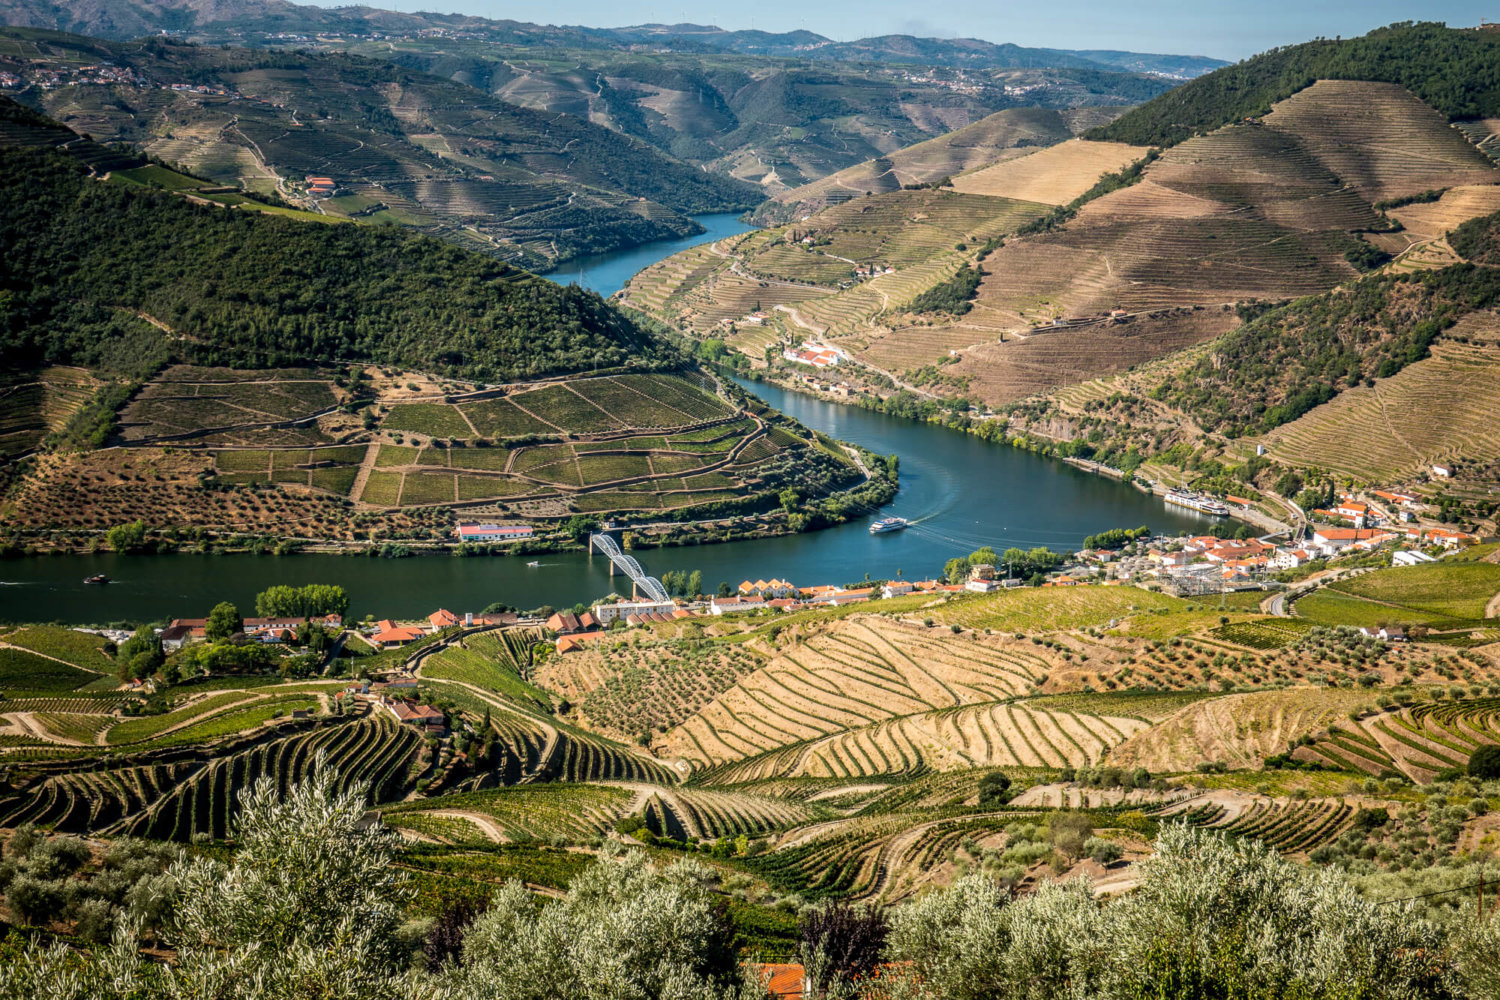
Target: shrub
<point x="1484" y="765"/>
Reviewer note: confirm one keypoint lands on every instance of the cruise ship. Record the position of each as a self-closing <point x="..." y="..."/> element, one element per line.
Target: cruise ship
<point x="888" y="524"/>
<point x="1201" y="502"/>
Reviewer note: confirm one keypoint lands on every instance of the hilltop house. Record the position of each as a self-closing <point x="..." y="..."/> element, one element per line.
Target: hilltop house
<point x="568" y="643"/>
<point x="423" y="717"/>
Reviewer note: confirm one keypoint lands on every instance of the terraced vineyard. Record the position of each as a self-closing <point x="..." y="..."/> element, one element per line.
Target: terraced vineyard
<point x="576" y="812"/>
<point x="175" y="794"/>
<point x="1239" y="730"/>
<point x="1417" y="741"/>
<point x="1052" y="176"/>
<point x="627" y="690"/>
<point x="857" y="673"/>
<point x="989" y="735"/>
<point x="1454" y="379"/>
<point x="1380" y="138"/>
<point x="1290" y="827"/>
<point x="35" y="403"/>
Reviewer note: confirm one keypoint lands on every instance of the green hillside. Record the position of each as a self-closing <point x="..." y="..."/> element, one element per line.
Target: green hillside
<point x="1455" y="70"/>
<point x="244" y="289"/>
<point x="1478" y="240"/>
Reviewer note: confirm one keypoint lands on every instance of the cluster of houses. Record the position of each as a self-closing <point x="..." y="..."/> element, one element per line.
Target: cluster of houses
<point x="320" y="187"/>
<point x="281" y="629"/>
<point x="1208" y="562"/>
<point x="98" y="74"/>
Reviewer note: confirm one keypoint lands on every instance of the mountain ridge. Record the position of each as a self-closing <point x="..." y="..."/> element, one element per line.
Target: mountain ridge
<point x="129" y="18"/>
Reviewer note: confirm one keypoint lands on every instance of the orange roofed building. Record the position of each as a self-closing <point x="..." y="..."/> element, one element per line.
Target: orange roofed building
<point x="569" y="643"/>
<point x="389" y="635"/>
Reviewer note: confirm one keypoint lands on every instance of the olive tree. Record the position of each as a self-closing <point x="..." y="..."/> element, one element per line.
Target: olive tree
<point x="625" y="930"/>
<point x="1233" y="917"/>
<point x="307" y="908"/>
<point x="974" y="942"/>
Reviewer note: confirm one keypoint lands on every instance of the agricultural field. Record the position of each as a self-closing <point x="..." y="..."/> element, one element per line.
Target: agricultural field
<point x="33" y="404"/>
<point x="1445" y="596"/>
<point x="282" y="452"/>
<point x="1416" y="740"/>
<point x="1052" y="176"/>
<point x="1239" y="730"/>
<point x="832" y="753"/>
<point x="525" y="813"/>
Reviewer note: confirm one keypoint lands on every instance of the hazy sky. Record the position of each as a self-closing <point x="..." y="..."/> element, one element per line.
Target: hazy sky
<point x="1228" y="30"/>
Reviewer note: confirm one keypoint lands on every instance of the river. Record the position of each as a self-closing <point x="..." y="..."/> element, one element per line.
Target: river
<point x="960" y="492"/>
<point x="606" y="273"/>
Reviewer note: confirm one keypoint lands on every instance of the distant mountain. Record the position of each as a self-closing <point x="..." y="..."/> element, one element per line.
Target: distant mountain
<point x="122" y="19"/>
<point x="398" y="145"/>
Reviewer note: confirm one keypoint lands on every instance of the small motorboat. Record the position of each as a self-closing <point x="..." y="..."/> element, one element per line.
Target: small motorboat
<point x="533" y="564"/>
<point x="97" y="578"/>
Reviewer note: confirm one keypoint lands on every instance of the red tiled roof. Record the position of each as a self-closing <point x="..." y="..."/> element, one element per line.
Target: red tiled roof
<point x="785" y="980"/>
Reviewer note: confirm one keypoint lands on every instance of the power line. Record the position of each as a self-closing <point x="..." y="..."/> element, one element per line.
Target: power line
<point x="1443" y="892"/>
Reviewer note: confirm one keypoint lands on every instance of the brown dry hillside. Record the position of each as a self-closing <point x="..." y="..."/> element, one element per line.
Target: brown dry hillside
<point x="997" y="138"/>
<point x="1048" y="359"/>
<point x="1380" y="138"/>
<point x="1053" y="176"/>
<point x="859" y="671"/>
<point x="1253" y="210"/>
<point x="1240" y="730"/>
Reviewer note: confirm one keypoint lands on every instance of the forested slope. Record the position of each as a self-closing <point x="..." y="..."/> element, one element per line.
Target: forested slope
<point x="1455" y="70"/>
<point x="243" y="288"/>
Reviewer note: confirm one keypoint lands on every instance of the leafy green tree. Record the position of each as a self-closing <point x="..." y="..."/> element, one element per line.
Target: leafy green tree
<point x="315" y="599"/>
<point x="1484" y="764"/>
<point x="126" y="537"/>
<point x="223" y="621"/>
<point x="984" y="557"/>
<point x="994" y="790"/>
<point x="695" y="583"/>
<point x="139" y="656"/>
